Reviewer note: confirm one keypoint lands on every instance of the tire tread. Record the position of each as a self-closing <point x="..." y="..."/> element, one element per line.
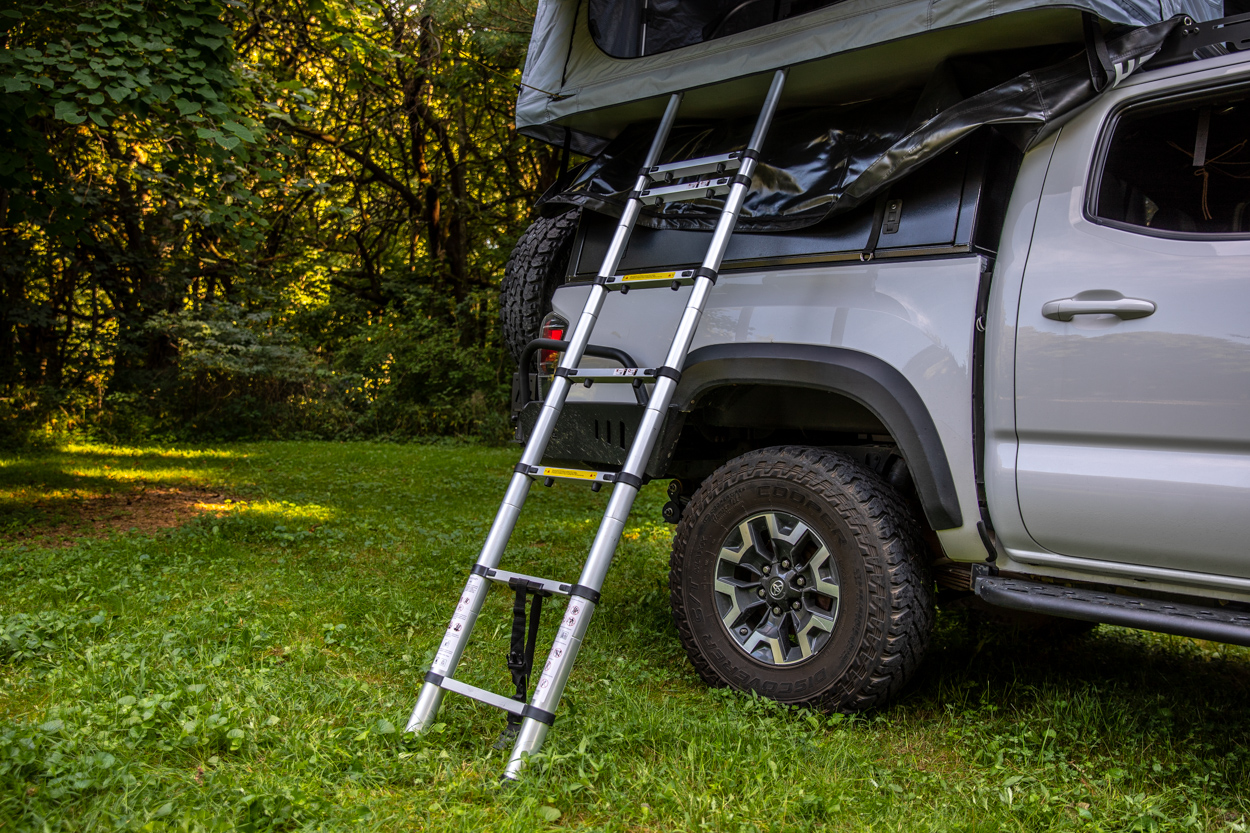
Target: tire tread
<point x="535" y="268"/>
<point x="899" y="635"/>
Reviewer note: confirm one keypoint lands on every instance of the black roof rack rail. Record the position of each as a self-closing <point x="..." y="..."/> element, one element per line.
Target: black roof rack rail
<point x="1232" y="32"/>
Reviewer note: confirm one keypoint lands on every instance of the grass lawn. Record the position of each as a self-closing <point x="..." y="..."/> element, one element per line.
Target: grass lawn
<point x="228" y="638"/>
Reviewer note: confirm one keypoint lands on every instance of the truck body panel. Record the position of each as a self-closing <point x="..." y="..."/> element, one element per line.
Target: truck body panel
<point x="1121" y="448"/>
<point x="918" y="316"/>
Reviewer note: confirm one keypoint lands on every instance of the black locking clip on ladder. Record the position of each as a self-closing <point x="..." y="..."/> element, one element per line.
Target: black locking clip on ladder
<point x="725" y="175"/>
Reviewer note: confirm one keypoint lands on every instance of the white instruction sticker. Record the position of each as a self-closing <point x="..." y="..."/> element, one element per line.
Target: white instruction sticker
<point x="457" y="629"/>
<point x="559" y="650"/>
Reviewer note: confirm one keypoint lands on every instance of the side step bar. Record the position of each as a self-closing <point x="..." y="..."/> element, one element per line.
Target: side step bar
<point x="1231" y="626"/>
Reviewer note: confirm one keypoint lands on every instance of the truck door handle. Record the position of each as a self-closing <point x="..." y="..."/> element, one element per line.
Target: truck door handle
<point x="1097" y="302"/>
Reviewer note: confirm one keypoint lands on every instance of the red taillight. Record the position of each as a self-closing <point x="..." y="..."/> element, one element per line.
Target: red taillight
<point x="549" y="359"/>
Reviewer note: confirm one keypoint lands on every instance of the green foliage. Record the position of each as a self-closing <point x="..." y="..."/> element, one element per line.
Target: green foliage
<point x="254" y="671"/>
<point x="308" y="170"/>
<point x="148" y="93"/>
<point x="415" y="377"/>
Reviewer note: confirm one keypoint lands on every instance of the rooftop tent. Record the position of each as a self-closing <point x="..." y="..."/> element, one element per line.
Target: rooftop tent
<point x="876" y="89"/>
<point x="596" y="66"/>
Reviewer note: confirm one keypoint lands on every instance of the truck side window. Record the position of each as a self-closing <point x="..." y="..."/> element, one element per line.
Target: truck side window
<point x="1180" y="168"/>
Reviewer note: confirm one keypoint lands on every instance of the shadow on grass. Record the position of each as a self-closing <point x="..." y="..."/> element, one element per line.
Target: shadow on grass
<point x="75" y="487"/>
<point x="1116" y="688"/>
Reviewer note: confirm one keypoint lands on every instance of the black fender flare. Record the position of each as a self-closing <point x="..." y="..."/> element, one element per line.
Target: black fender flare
<point x="868" y="380"/>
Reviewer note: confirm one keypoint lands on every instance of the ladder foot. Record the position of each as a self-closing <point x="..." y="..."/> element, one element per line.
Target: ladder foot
<point x="528" y="742"/>
<point x="426" y="710"/>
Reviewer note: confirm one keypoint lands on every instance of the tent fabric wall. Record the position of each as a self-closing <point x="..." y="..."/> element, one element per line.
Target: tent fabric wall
<point x="573" y="91"/>
<point x="818" y="161"/>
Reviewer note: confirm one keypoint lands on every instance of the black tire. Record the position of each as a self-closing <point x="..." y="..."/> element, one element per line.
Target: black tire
<point x="878" y="621"/>
<point x="535" y="268"/>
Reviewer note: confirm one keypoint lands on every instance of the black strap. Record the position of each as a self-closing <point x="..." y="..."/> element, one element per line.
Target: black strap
<point x="536" y="611"/>
<point x="878" y="217"/>
<point x="524" y="640"/>
<point x="516" y="651"/>
<point x="1100" y="68"/>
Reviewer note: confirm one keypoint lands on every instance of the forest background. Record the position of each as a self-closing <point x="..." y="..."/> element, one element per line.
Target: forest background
<point x="256" y="218"/>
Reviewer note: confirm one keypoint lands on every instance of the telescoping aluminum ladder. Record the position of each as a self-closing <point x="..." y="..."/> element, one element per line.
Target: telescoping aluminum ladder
<point x="656" y="184"/>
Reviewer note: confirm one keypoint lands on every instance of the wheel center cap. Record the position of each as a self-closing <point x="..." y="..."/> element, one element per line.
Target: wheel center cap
<point x="777" y="588"/>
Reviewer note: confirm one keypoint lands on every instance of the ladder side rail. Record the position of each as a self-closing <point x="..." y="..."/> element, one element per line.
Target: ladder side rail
<point x="578" y="614"/>
<point x="579" y="338"/>
<point x="469" y="607"/>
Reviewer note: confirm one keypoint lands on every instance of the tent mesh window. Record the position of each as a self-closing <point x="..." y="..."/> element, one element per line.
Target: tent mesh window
<point x="648" y="27"/>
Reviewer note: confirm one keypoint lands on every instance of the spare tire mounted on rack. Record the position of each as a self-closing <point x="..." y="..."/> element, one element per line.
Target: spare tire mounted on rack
<point x="538" y="265"/>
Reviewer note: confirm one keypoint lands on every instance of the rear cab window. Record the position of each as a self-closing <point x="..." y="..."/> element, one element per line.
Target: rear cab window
<point x="1178" y="168"/>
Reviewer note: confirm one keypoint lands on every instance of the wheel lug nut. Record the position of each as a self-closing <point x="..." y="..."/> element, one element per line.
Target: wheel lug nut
<point x="761" y="593"/>
<point x="776" y="611"/>
<point x="743" y="631"/>
<point x="785" y="565"/>
<point x="796" y="604"/>
<point x="800" y="581"/>
<point x="767" y="569"/>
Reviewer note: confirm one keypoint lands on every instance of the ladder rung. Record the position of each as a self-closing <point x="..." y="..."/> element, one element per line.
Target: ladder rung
<point x="505" y="577"/>
<point x="720" y="164"/>
<point x="629" y="375"/>
<point x="582" y="475"/>
<point x="703" y="188"/>
<point x="481" y="695"/>
<point x="650" y="280"/>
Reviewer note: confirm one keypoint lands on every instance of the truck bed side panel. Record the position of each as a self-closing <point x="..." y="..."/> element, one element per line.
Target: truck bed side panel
<point x="918" y="316"/>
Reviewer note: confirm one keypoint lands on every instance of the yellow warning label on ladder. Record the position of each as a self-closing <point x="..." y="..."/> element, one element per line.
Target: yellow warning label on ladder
<point x="575" y="473"/>
<point x="650" y="276"/>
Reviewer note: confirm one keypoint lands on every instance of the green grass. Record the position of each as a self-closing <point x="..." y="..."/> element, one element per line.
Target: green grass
<point x="248" y="671"/>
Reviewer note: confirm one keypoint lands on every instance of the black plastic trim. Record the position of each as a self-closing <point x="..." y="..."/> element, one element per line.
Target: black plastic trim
<point x="668" y="373"/>
<point x="627" y="479"/>
<point x="705" y="272"/>
<point x="582" y="591"/>
<point x="538" y="714"/>
<point x="479" y="570"/>
<point x="741" y="179"/>
<point x="434" y="679"/>
<point x="868" y="380"/>
<point x="1194" y="621"/>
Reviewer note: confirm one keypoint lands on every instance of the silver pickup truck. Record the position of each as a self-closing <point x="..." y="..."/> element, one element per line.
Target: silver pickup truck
<point x="1031" y="394"/>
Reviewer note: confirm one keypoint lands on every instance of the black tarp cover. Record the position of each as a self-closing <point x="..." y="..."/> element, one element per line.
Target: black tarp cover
<point x="818" y="161"/>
